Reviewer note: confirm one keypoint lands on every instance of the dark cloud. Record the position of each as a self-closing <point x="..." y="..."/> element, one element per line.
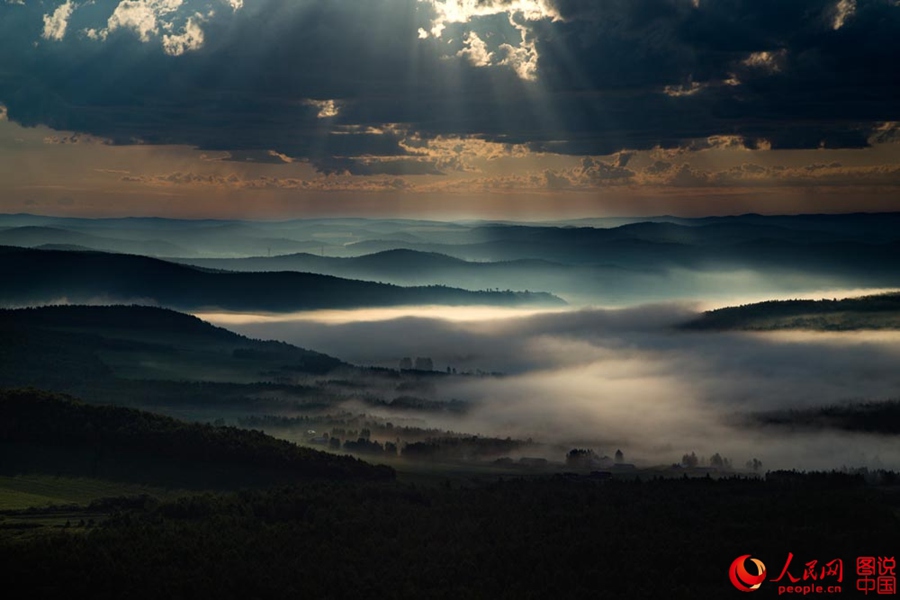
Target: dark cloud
<point x="246" y="90"/>
<point x="778" y="71"/>
<point x="287" y="75"/>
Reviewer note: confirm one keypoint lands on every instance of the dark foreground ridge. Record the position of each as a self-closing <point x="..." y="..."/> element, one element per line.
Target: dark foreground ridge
<point x="343" y="526"/>
<point x="559" y="537"/>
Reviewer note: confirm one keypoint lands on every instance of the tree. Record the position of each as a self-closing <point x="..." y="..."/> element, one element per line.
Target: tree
<point x="620" y="457"/>
<point x="754" y="464"/>
<point x="579" y="457"/>
<point x="690" y="460"/>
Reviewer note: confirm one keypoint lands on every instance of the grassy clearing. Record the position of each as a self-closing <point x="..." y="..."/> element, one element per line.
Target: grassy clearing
<point x="18" y="492"/>
<point x="34" y="503"/>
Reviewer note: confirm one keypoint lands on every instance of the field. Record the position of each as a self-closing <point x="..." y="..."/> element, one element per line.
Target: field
<point x="23" y="491"/>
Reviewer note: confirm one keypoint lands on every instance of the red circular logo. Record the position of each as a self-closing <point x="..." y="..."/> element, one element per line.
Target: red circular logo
<point x="741" y="577"/>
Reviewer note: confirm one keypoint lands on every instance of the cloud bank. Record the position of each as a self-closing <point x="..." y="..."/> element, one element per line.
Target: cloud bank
<point x="329" y="82"/>
<point x="625" y="378"/>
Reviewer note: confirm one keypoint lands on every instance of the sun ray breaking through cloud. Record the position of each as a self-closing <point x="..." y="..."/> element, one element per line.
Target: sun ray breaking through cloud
<point x="521" y="56"/>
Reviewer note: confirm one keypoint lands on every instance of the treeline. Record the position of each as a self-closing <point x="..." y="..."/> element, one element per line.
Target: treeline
<point x="416" y="403"/>
<point x="868" y="312"/>
<point x="34" y="417"/>
<point x="465" y="448"/>
<point x="363" y="434"/>
<point x="869" y="417"/>
<point x="461" y="448"/>
<point x="349" y="425"/>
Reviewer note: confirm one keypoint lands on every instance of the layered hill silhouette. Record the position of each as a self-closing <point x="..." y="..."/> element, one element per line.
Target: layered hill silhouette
<point x="584" y="261"/>
<point x="411" y="267"/>
<point x="152" y="237"/>
<point x="637" y="271"/>
<point x="353" y="237"/>
<point x="50" y="276"/>
<point x="399" y="265"/>
<point x="665" y="245"/>
<point x="34" y="236"/>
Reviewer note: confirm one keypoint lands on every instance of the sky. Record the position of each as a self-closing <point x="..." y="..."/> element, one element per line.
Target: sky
<point x="513" y="109"/>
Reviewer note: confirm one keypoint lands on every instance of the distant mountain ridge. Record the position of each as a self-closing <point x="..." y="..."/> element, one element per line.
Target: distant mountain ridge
<point x="620" y="261"/>
<point x="233" y="238"/>
<point x="49" y="276"/>
<point x="33" y="235"/>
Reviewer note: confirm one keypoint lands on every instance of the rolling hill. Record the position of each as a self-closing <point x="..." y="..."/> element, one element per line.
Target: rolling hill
<point x="33" y="236"/>
<point x="99" y="441"/>
<point x="50" y="276"/>
<point x="585" y="261"/>
<point x="629" y="269"/>
<point x="77" y="348"/>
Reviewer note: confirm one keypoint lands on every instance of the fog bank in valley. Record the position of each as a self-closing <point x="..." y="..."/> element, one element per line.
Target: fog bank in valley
<point x="626" y="378"/>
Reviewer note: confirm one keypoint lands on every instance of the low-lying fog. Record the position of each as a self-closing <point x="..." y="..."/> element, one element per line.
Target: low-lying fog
<point x="621" y="378"/>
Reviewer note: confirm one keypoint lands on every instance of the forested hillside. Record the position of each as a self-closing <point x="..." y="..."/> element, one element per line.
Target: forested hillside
<point x="869" y="312"/>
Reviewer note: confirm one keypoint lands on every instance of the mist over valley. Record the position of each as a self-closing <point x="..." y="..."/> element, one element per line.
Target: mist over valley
<point x="565" y="336"/>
